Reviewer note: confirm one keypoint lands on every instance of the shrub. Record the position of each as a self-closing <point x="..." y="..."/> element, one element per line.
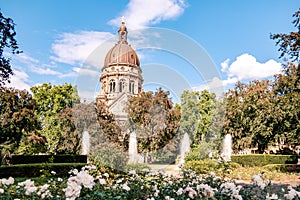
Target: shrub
<point x="198" y="153"/>
<point x="138" y="167"/>
<point x="201" y="166"/>
<point x="293" y="168"/>
<point x="109" y="157"/>
<point x="206" y="166"/>
<point x="263" y="159"/>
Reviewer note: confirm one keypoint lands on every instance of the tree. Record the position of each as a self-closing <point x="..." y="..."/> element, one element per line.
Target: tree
<point x="289" y="43"/>
<point x="7" y="40"/>
<point x="287" y="90"/>
<point x="109" y="126"/>
<point x="251" y="117"/>
<point x="287" y="84"/>
<point x="73" y="122"/>
<point x="190" y="113"/>
<point x="153" y="118"/>
<point x="17" y="114"/>
<point x="207" y="108"/>
<point x="52" y="102"/>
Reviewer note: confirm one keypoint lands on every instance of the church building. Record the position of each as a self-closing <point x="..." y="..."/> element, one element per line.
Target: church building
<point x="121" y="76"/>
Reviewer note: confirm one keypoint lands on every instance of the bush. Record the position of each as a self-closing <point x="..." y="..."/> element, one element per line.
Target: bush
<point x="263" y="159"/>
<point x="206" y="166"/>
<point x="201" y="166"/>
<point x="293" y="168"/>
<point x="198" y="153"/>
<point x="109" y="157"/>
<point x="36" y="170"/>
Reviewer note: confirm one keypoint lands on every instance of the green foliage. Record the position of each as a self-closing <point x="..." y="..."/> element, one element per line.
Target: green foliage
<point x="263" y="159"/>
<point x="286" y="168"/>
<point x="109" y="157"/>
<point x="200" y="152"/>
<point x="190" y="113"/>
<point x="264" y="112"/>
<point x="207" y="166"/>
<point x="202" y="117"/>
<point x="201" y="166"/>
<point x="7" y="40"/>
<point x="18" y="119"/>
<point x="52" y="102"/>
<point x="250" y="116"/>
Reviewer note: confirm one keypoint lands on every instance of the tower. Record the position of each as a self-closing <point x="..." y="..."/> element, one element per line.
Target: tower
<point x="121" y="76"/>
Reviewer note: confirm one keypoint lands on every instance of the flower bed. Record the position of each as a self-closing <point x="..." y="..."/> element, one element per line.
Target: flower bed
<point x="88" y="183"/>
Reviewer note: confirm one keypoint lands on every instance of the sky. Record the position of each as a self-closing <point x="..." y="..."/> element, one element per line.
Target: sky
<point x="182" y="44"/>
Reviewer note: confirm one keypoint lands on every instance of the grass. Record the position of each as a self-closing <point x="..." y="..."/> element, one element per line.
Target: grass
<point x="246" y="174"/>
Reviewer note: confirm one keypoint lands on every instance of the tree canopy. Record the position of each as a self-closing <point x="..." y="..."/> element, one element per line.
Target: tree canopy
<point x="7" y="40"/>
<point x="51" y="104"/>
<point x="153" y="118"/>
<point x="17" y="114"/>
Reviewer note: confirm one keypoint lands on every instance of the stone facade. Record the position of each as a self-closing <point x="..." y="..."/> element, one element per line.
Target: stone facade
<point x="121" y="76"/>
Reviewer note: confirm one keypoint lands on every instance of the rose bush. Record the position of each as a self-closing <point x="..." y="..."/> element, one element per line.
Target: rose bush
<point x="89" y="183"/>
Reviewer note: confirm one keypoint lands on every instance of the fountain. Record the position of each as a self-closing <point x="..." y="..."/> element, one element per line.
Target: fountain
<point x="226" y="148"/>
<point x="85" y="143"/>
<point x="132" y="149"/>
<point x="184" y="147"/>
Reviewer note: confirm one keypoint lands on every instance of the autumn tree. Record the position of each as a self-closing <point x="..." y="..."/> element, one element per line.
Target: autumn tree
<point x="252" y="115"/>
<point x="288" y="43"/>
<point x="7" y="40"/>
<point x="18" y="119"/>
<point x="287" y="84"/>
<point x="51" y="103"/>
<point x="109" y="126"/>
<point x="153" y="118"/>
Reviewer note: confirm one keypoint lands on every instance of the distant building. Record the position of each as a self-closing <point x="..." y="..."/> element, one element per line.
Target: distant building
<point x="121" y="76"/>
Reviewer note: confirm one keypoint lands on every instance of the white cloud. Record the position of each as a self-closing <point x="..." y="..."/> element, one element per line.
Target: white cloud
<point x="47" y="71"/>
<point x="215" y="85"/>
<point x="24" y="58"/>
<point x="140" y="13"/>
<point x="73" y="48"/>
<point x="247" y="67"/>
<point x="19" y="80"/>
<point x="31" y="63"/>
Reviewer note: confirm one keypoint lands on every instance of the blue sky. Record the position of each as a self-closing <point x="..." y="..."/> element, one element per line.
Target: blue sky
<point x="229" y="40"/>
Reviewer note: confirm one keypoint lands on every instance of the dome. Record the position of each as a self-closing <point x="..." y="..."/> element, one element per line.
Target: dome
<point x="121" y="53"/>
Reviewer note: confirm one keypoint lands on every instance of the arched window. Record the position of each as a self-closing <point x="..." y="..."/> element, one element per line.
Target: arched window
<point x="112" y="86"/>
<point x="122" y="85"/>
<point x="131" y="87"/>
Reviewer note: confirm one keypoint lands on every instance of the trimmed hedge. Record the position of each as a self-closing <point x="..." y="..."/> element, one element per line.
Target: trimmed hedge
<point x="292" y="168"/>
<point x="206" y="166"/>
<point x="37" y="170"/>
<point x="26" y="159"/>
<point x="263" y="159"/>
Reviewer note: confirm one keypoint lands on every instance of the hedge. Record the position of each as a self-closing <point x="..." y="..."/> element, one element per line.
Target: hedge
<point x="206" y="166"/>
<point x="263" y="159"/>
<point x="292" y="168"/>
<point x="26" y="159"/>
<point x="37" y="170"/>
